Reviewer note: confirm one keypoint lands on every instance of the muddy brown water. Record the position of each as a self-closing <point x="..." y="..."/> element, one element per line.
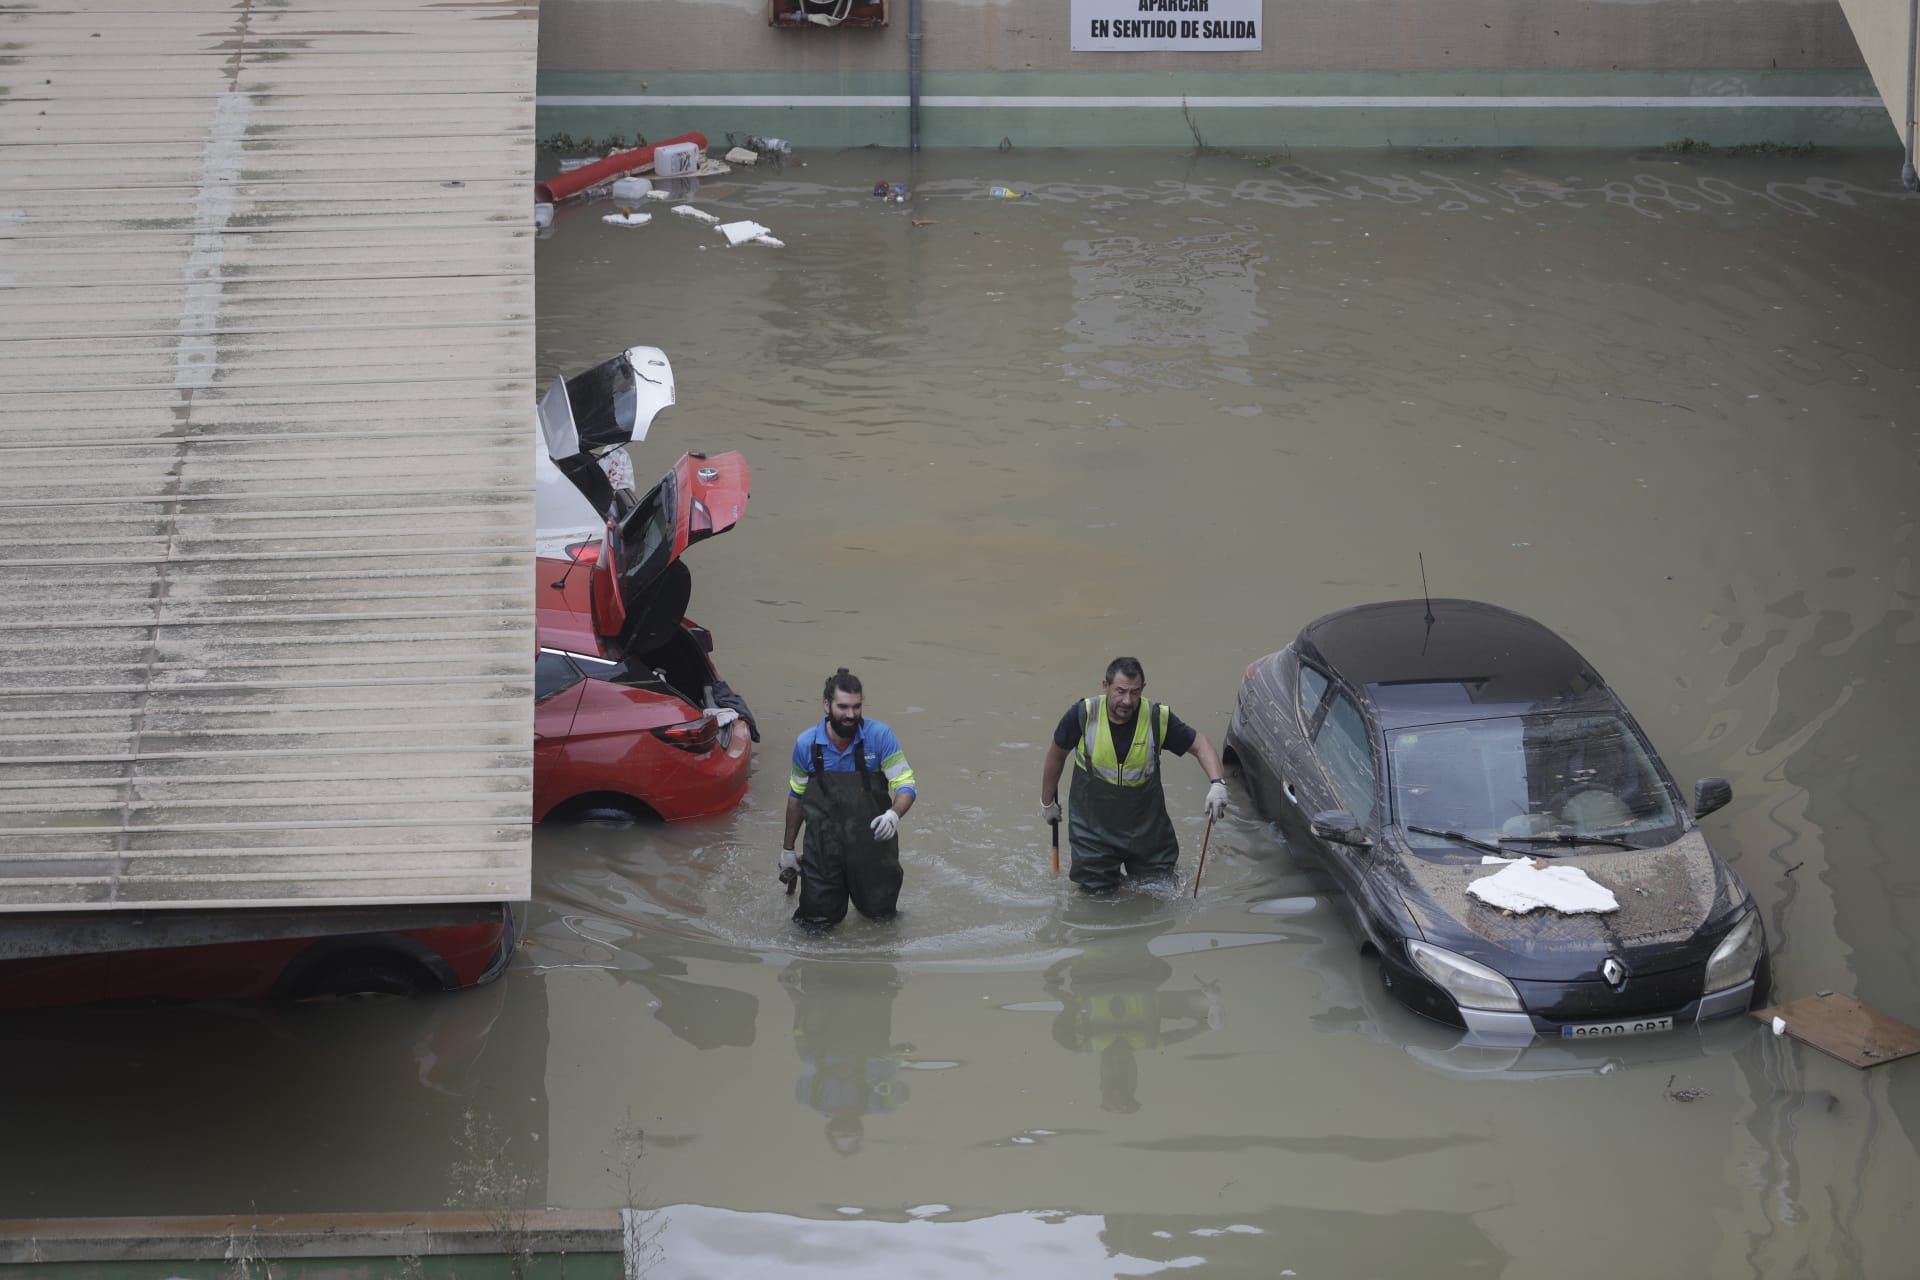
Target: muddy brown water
<point x="1174" y="407"/>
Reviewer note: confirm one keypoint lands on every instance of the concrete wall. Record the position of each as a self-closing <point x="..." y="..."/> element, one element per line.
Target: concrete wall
<point x="1335" y="72"/>
<point x="1884" y="30"/>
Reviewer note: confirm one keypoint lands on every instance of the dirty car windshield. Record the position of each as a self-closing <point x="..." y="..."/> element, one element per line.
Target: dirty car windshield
<point x="1520" y="776"/>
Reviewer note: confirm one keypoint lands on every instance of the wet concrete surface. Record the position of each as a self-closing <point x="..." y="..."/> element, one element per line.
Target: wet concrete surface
<point x="1174" y="407"/>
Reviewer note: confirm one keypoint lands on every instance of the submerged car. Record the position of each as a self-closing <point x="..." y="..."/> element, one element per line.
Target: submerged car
<point x="630" y="716"/>
<point x="1412" y="745"/>
<point x="250" y="953"/>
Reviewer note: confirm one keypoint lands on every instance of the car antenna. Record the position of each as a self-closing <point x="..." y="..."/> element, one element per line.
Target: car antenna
<point x="571" y="562"/>
<point x="1428" y="597"/>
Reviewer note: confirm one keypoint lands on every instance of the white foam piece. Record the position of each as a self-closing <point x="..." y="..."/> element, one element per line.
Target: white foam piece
<point x="770" y="242"/>
<point x="740" y="155"/>
<point x="741" y="232"/>
<point x="701" y="215"/>
<point x="1525" y="885"/>
<point x="628" y="219"/>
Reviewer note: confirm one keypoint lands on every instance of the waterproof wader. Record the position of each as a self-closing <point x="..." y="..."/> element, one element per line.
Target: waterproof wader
<point x="1117" y="809"/>
<point x="841" y="858"/>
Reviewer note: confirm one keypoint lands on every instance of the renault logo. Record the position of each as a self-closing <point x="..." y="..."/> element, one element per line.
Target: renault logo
<point x="1613" y="971"/>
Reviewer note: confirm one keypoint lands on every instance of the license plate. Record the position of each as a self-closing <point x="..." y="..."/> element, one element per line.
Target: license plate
<point x="1607" y="1030"/>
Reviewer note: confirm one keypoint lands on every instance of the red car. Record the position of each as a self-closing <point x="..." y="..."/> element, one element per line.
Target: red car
<point x="630" y="716"/>
<point x="250" y="953"/>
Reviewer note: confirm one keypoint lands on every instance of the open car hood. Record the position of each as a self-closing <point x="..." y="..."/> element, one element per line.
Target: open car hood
<point x="624" y="576"/>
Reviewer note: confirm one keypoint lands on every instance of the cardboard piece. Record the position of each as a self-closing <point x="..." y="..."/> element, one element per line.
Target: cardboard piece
<point x="1843" y="1028"/>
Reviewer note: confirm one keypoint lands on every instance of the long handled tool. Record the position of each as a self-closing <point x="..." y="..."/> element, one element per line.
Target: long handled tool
<point x="1055" y="824"/>
<point x="1202" y="868"/>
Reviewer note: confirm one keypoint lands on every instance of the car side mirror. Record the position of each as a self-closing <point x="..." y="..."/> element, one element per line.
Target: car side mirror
<point x="1338" y="826"/>
<point x="1710" y="794"/>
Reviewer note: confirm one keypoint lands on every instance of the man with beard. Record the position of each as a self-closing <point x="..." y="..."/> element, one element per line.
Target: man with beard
<point x="850" y="785"/>
<point x="1119" y="824"/>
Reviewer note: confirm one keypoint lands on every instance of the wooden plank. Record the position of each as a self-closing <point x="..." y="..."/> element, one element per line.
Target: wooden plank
<point x="1843" y="1028"/>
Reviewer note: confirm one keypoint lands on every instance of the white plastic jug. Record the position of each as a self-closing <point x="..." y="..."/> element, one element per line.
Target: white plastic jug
<point x="676" y="159"/>
<point x="631" y="188"/>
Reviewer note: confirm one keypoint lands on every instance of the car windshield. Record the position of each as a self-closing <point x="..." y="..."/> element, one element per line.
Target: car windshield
<point x="1516" y="778"/>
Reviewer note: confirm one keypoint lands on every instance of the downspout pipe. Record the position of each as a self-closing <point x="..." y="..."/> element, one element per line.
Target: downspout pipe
<point x="1907" y="174"/>
<point x="913" y="84"/>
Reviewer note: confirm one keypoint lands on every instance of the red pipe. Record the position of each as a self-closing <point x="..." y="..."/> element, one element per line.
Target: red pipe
<point x="562" y="185"/>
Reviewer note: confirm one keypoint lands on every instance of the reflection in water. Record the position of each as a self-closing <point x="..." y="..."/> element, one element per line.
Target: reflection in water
<point x="843" y="1032"/>
<point x="1191" y="291"/>
<point x="931" y="1242"/>
<point x="703" y="1015"/>
<point x="1111" y="1004"/>
<point x="219" y="1108"/>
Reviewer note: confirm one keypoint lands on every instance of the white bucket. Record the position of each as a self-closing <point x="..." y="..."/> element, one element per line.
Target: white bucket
<point x="632" y="188"/>
<point x="676" y="159"/>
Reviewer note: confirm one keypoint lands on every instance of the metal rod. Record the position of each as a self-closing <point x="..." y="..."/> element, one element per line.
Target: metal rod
<point x="913" y="76"/>
<point x="1201" y="870"/>
<point x="1907" y="174"/>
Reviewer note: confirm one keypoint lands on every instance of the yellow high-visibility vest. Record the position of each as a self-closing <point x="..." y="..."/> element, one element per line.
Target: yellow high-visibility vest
<point x="1096" y="755"/>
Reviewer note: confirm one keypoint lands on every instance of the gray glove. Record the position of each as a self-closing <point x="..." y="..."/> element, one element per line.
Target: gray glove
<point x="1216" y="805"/>
<point x="885" y="825"/>
<point x="789" y="860"/>
<point x="1051" y="812"/>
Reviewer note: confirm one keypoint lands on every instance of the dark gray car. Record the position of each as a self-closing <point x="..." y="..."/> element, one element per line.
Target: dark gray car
<point x="1409" y="744"/>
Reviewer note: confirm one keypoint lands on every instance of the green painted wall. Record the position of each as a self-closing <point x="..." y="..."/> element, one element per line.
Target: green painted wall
<point x="882" y="119"/>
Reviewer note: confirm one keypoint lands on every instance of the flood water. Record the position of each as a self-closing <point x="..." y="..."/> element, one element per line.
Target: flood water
<point x="1174" y="407"/>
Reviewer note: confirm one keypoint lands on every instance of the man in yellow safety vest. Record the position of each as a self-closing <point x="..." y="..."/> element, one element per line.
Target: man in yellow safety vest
<point x="1118" y="824"/>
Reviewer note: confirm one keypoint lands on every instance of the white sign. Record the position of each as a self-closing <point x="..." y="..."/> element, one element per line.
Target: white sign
<point x="1194" y="26"/>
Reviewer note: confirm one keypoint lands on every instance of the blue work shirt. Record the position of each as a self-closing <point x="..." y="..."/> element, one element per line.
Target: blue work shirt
<point x="876" y="739"/>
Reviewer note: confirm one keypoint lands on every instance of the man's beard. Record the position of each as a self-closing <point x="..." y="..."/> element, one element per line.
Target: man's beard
<point x="846" y="728"/>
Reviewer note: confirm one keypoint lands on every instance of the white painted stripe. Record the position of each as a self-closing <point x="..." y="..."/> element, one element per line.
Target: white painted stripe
<point x="1423" y="103"/>
<point x="198" y="348"/>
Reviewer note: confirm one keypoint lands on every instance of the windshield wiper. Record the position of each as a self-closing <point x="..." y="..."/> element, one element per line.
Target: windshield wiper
<point x="1568" y="837"/>
<point x="1460" y="836"/>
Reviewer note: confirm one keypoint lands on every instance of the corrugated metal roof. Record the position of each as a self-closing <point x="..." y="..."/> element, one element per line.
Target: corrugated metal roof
<point x="266" y="373"/>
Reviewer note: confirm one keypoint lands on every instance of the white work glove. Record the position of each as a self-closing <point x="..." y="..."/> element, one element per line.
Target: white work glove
<point x="1051" y="812"/>
<point x="885" y="825"/>
<point x="789" y="860"/>
<point x="1216" y="805"/>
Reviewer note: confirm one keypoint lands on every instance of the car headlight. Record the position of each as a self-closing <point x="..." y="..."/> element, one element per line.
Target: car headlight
<point x="1471" y="984"/>
<point x="1733" y="960"/>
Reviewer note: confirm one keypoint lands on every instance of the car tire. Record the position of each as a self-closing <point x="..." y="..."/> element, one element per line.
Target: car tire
<point x="607" y="816"/>
<point x="361" y="973"/>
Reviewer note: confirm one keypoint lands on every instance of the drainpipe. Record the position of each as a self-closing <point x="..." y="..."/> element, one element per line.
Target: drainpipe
<point x="913" y="84"/>
<point x="1907" y="174"/>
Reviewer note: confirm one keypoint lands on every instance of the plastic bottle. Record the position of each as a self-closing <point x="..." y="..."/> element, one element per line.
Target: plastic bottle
<point x="1008" y="193"/>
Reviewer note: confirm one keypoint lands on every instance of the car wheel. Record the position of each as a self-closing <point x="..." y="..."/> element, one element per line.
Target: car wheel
<point x="361" y="973"/>
<point x="606" y="809"/>
<point x="612" y="817"/>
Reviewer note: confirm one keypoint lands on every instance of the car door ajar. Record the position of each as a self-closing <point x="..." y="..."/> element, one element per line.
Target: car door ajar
<point x="1347" y="777"/>
<point x="1304" y="787"/>
<point x="556" y="695"/>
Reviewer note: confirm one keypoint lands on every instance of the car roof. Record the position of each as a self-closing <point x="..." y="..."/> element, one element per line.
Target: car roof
<point x="1472" y="661"/>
